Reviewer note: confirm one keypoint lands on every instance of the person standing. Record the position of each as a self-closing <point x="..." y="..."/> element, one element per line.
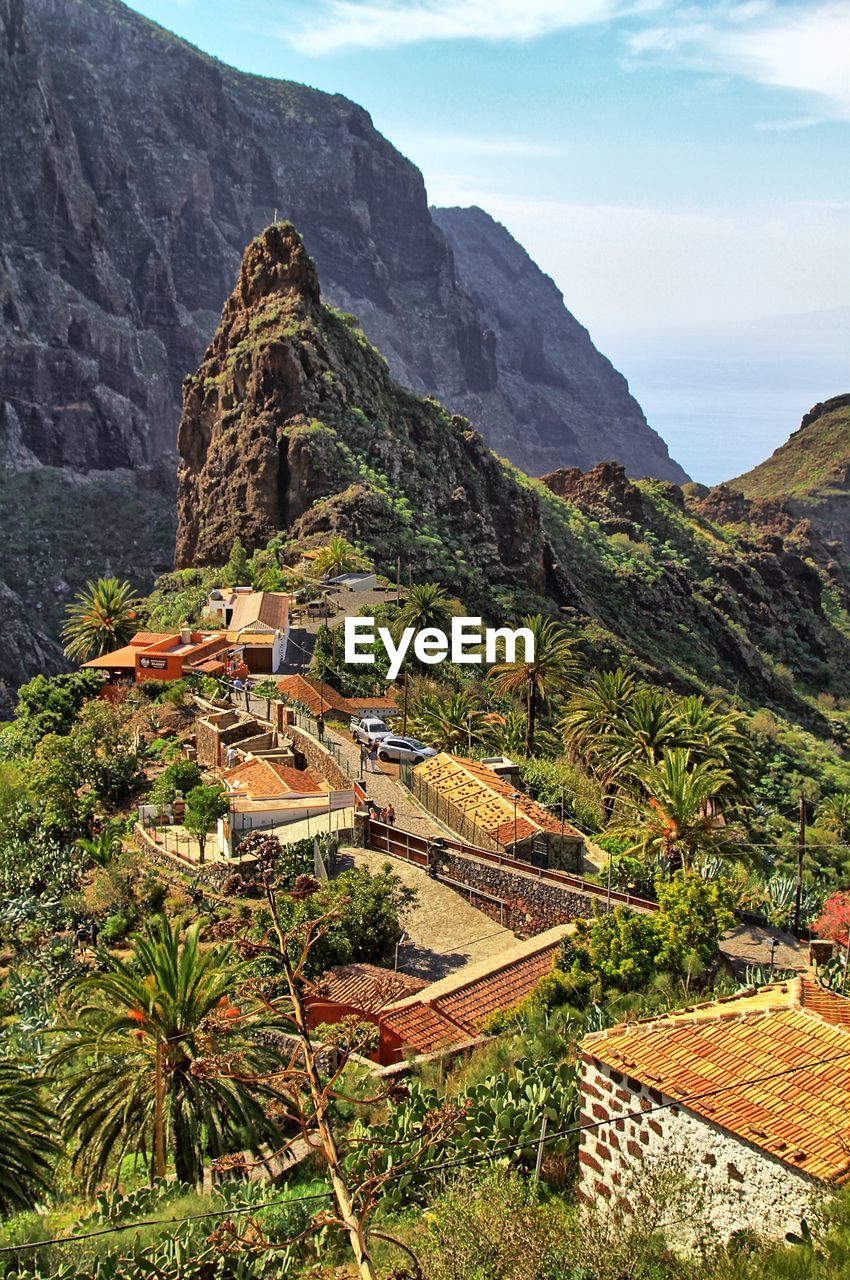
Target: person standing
<point x="364" y="757"/>
<point x="320" y="725"/>
<point x="389" y="817"/>
<point x="373" y="757"/>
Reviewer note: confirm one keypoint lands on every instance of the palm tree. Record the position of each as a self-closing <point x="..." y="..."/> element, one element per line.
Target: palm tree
<point x="834" y="814"/>
<point x="426" y="605"/>
<point x="676" y="818"/>
<point x="594" y="713"/>
<point x="711" y="732"/>
<point x="102" y="618"/>
<point x="26" y="1139"/>
<point x="553" y="666"/>
<point x="339" y="556"/>
<point x="131" y="1067"/>
<point x="102" y="849"/>
<point x="448" y="724"/>
<point x="646" y="726"/>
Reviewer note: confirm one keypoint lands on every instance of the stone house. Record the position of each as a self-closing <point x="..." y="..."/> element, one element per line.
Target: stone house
<point x="484" y="808"/>
<point x="752" y="1092"/>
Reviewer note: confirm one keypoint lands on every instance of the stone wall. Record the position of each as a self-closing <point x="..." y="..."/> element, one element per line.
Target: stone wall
<point x="740" y="1186"/>
<point x="311" y="754"/>
<point x="532" y="905"/>
<point x="214" y="733"/>
<point x="212" y="874"/>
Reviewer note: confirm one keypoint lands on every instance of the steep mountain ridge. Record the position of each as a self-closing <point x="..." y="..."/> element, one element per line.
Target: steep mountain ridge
<point x="808" y="478"/>
<point x="137" y="168"/>
<point x="293" y="426"/>
<point x="551" y="374"/>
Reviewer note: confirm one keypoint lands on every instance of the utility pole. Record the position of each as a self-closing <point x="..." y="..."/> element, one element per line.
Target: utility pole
<point x="404" y="713"/>
<point x="159" y="1128"/>
<point x="801" y="851"/>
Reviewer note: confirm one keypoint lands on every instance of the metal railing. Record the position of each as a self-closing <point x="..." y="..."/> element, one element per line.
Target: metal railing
<point x="413" y="848"/>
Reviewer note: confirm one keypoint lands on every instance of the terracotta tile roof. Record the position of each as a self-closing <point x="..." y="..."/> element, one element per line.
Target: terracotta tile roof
<point x="423" y="1029"/>
<point x="366" y="986"/>
<point x="271" y="608"/>
<point x="455" y="1009"/>
<point x="485" y="798"/>
<point x="314" y="695"/>
<point x="473" y="1004"/>
<point x="694" y="1056"/>
<point x="265" y="779"/>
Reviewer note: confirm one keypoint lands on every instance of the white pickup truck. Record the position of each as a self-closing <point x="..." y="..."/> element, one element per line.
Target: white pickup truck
<point x="368" y="730"/>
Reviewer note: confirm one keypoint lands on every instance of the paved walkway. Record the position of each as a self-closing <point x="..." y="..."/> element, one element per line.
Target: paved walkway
<point x="445" y="932"/>
<point x="384" y="788"/>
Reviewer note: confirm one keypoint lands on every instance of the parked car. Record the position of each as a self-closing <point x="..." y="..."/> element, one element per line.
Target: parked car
<point x="368" y="730"/>
<point x="409" y="750"/>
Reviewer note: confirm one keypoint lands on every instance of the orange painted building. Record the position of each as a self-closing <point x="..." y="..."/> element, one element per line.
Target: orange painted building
<point x="162" y="656"/>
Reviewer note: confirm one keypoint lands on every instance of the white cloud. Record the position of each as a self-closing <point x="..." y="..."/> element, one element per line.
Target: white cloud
<point x="337" y="25"/>
<point x="802" y="47"/>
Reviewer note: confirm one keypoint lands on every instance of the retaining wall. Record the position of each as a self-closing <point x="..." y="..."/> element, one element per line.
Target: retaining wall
<point x="531" y="906"/>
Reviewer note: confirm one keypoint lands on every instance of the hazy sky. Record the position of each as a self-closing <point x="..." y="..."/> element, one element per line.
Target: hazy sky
<point x="682" y="170"/>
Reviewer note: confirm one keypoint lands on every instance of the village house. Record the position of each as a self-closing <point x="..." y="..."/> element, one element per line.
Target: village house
<point x="319" y="698"/>
<point x="268" y="793"/>
<point x="752" y="1091"/>
<point x="163" y="656"/>
<point x="485" y="809"/>
<point x="361" y="991"/>
<point x="453" y="1012"/>
<point x="258" y="629"/>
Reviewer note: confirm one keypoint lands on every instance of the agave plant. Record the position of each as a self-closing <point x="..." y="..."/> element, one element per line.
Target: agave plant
<point x="781" y="898"/>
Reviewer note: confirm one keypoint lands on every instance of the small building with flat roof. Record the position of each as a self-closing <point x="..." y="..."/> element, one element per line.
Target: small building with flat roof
<point x="163" y="656"/>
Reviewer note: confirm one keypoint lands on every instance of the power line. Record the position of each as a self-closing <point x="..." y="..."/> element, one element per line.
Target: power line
<point x="475" y="1158"/>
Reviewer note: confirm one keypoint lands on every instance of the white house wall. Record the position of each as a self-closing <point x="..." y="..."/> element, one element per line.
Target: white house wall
<point x="747" y="1189"/>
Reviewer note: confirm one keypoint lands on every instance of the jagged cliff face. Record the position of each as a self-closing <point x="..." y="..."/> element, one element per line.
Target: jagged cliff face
<point x="135" y="171"/>
<point x="561" y="401"/>
<point x="294" y="425"/>
<point x="293" y="422"/>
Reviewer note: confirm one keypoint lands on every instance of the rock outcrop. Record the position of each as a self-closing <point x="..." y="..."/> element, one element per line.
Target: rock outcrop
<point x="293" y="422"/>
<point x="293" y="428"/>
<point x="804" y="486"/>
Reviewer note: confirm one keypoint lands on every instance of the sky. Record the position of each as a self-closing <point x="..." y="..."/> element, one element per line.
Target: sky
<point x="681" y="168"/>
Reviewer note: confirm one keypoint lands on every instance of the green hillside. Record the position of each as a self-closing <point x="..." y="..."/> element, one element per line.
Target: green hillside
<point x="814" y="463"/>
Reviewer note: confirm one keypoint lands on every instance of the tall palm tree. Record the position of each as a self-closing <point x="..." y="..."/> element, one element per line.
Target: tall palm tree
<point x="593" y="714"/>
<point x="553" y="666"/>
<point x="711" y="732"/>
<point x="448" y="724"/>
<point x="103" y="617"/>
<point x="646" y="726"/>
<point x="26" y="1139"/>
<point x="834" y="814"/>
<point x="339" y="556"/>
<point x="676" y="818"/>
<point x="131" y="1064"/>
<point x="426" y="605"/>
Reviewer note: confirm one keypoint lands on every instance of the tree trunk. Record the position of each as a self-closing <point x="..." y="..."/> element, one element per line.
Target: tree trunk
<point x="326" y="1135"/>
<point x="531" y="717"/>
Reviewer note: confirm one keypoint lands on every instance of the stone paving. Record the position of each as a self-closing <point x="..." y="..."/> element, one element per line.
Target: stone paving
<point x="384" y="788"/>
<point x="446" y="933"/>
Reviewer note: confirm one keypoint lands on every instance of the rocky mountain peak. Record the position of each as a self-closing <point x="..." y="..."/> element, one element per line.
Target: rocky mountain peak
<point x="276" y="263"/>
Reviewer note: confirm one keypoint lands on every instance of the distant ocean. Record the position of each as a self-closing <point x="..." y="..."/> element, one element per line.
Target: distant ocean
<point x="723" y="401"/>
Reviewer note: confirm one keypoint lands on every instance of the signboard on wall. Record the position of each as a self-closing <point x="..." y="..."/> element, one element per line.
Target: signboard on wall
<point x="153" y="664"/>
